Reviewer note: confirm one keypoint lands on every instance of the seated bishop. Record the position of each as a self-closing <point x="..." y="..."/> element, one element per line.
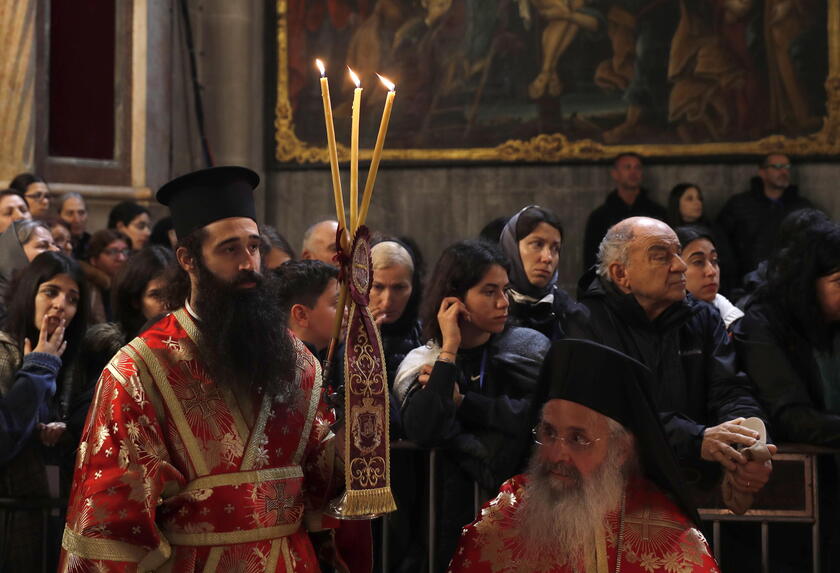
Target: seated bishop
<point x="603" y="491"/>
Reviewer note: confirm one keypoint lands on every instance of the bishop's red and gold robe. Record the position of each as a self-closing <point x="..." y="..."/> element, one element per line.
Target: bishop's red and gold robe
<point x="657" y="536"/>
<point x="175" y="473"/>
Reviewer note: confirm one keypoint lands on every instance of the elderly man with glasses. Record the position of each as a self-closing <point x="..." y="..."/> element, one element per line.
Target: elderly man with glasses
<point x="603" y="491"/>
<point x="750" y="220"/>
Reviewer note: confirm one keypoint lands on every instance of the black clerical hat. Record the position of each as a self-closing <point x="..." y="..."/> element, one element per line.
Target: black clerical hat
<point x="202" y="197"/>
<point x="607" y="381"/>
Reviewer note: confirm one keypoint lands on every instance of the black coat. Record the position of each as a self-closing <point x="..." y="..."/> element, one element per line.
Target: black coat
<point x="549" y="319"/>
<point x="695" y="376"/>
<point x="780" y="360"/>
<point x="398" y="339"/>
<point x="751" y="223"/>
<point x="611" y="212"/>
<point x="491" y="425"/>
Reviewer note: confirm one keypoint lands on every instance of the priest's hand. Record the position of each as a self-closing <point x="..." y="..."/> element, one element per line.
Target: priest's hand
<point x="753" y="475"/>
<point x="450" y="312"/>
<point x="718" y="440"/>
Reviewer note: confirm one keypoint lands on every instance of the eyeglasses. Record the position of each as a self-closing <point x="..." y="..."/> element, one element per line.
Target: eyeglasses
<point x="577" y="441"/>
<point x="37" y="196"/>
<point x="113" y="252"/>
<point x="785" y="166"/>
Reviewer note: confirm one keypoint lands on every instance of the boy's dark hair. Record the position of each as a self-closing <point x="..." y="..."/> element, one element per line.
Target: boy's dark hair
<point x="303" y="282"/>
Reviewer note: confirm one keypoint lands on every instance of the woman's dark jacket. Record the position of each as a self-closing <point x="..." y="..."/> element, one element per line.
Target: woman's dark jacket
<point x="398" y="339"/>
<point x="779" y="358"/>
<point x="491" y="425"/>
<point x="696" y="380"/>
<point x="547" y="318"/>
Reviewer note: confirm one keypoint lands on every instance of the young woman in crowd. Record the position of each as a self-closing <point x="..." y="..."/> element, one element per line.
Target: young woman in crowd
<point x="469" y="388"/>
<point x="12" y="208"/>
<point x="685" y="206"/>
<point x="137" y="296"/>
<point x="789" y="344"/>
<point x="108" y="252"/>
<point x="788" y="338"/>
<point x="702" y="277"/>
<point x="531" y="240"/>
<point x="133" y="221"/>
<point x="34" y="190"/>
<point x="47" y="320"/>
<point x="275" y="249"/>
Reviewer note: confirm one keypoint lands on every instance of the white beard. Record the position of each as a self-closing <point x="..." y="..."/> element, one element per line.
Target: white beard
<point x="559" y="519"/>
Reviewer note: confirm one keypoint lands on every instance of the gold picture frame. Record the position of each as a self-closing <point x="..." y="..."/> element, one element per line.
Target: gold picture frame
<point x="556" y="147"/>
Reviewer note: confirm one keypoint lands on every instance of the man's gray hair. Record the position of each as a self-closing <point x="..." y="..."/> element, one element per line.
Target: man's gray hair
<point x="614" y="248"/>
<point x="307" y="234"/>
<point x="390" y="254"/>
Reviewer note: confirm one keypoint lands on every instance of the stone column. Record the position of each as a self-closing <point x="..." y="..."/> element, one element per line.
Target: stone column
<point x="17" y="85"/>
<point x="230" y="38"/>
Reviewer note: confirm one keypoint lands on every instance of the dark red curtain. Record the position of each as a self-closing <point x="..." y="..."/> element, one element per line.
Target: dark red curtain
<point x="81" y="78"/>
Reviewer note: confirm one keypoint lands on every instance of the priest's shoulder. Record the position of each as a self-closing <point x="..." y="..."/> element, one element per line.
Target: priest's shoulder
<point x="163" y="328"/>
<point x="644" y="495"/>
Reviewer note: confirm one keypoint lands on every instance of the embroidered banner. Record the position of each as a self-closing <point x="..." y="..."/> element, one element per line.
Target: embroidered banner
<point x="366" y="446"/>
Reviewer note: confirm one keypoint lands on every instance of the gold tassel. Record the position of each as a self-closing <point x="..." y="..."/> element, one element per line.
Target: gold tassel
<point x="365" y="502"/>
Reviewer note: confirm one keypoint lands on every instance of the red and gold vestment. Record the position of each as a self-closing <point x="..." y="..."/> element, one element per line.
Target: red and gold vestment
<point x="656" y="537"/>
<point x="175" y="473"/>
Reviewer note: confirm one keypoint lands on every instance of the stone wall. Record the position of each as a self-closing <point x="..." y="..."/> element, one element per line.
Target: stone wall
<point x="439" y="205"/>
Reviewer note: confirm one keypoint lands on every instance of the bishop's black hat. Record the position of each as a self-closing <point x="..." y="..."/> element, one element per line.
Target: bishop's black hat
<point x="617" y="386"/>
<point x="202" y="197"/>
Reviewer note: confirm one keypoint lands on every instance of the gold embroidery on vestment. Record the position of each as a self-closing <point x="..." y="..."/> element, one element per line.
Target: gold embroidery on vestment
<point x="194" y="451"/>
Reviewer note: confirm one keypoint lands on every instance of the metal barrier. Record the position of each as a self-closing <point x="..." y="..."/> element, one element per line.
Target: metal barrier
<point x="790" y="496"/>
<point x="479" y="498"/>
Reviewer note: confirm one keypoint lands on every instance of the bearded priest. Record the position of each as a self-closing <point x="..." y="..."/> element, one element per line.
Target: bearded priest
<point x="207" y="438"/>
<point x="603" y="491"/>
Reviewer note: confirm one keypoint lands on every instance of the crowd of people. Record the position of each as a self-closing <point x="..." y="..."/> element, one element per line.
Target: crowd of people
<point x="693" y="345"/>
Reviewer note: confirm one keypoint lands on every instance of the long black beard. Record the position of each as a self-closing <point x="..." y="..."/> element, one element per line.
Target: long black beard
<point x="244" y="339"/>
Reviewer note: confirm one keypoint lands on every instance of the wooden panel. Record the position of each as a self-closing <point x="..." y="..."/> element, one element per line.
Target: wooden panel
<point x="788" y="496"/>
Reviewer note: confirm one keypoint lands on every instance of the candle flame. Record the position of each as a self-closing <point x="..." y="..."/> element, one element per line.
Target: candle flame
<point x="388" y="83"/>
<point x="355" y="78"/>
<point x="321" y="67"/>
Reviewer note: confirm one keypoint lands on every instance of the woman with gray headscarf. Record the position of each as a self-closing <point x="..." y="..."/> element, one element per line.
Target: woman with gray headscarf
<point x="531" y="240"/>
